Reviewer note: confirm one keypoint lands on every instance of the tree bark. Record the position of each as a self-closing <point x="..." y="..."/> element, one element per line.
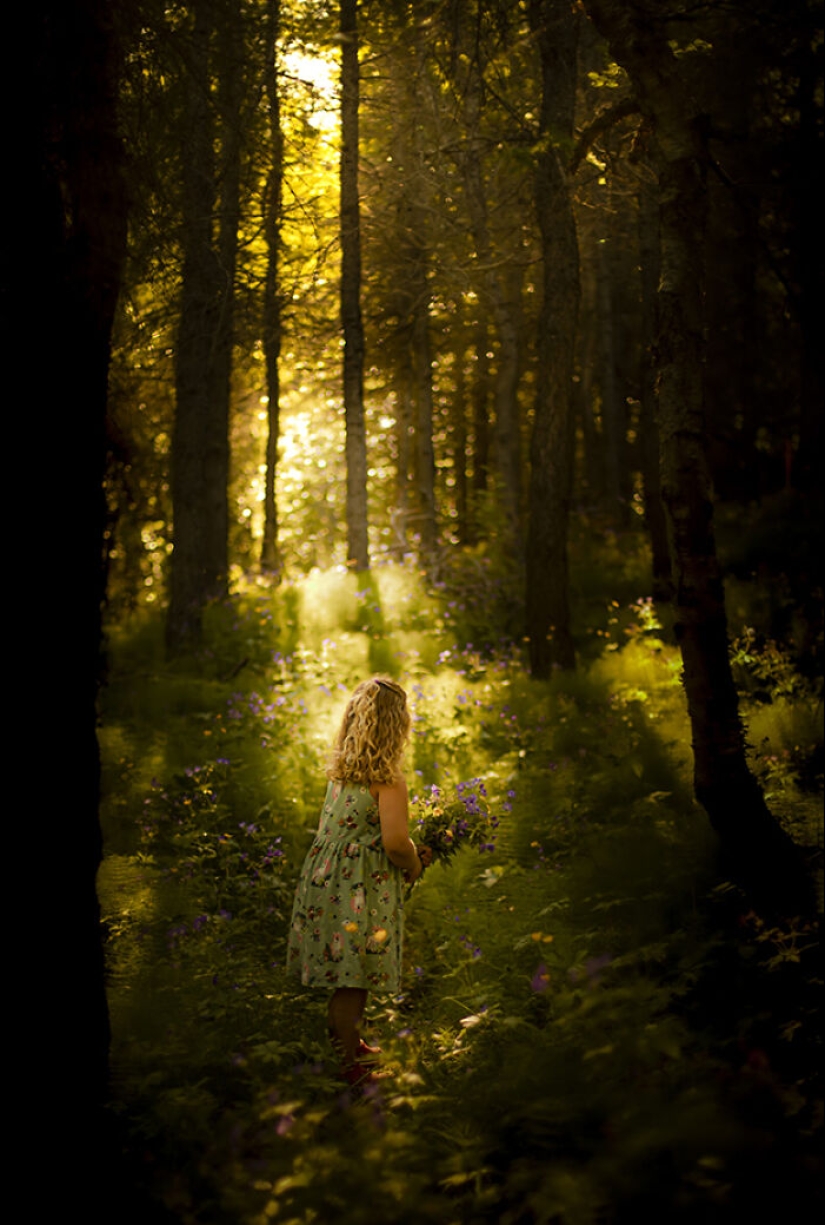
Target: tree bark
<point x="189" y="586"/>
<point x="414" y="289"/>
<point x="592" y="479"/>
<point x="497" y="296"/>
<point x="460" y="440"/>
<point x="649" y="425"/>
<point x="555" y="26"/>
<point x="807" y="469"/>
<point x="352" y="322"/>
<point x="228" y="64"/>
<point x="404" y="429"/>
<point x="613" y="406"/>
<point x="756" y="848"/>
<point x="480" y="407"/>
<point x="273" y="202"/>
<point x="425" y="452"/>
<point x="71" y="200"/>
<point x="203" y="354"/>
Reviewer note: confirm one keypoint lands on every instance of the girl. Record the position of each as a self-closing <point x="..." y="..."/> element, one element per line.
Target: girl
<point x="348" y="915"/>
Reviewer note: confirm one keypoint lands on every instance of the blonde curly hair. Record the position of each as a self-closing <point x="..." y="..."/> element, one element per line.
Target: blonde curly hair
<point x="370" y="741"/>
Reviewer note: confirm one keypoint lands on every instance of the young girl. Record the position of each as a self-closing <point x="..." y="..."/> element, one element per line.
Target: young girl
<point x="348" y="915"/>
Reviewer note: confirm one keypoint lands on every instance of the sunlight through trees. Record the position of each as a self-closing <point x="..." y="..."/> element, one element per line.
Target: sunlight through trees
<point x="474" y="343"/>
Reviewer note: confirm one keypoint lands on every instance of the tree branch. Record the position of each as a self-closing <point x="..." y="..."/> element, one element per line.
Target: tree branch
<point x="605" y="119"/>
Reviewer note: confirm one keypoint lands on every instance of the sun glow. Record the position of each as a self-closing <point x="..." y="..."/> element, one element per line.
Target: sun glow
<point x="313" y="80"/>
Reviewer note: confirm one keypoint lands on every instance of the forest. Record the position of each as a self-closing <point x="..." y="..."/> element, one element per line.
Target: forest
<point x="477" y="344"/>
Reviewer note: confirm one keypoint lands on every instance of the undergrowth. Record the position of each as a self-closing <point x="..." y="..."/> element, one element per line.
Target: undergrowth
<point x="593" y="1027"/>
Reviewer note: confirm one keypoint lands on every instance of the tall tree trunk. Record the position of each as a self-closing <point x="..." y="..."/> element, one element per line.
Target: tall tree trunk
<point x="194" y="354"/>
<point x="498" y="298"/>
<point x="404" y="429"/>
<point x="592" y="474"/>
<point x="613" y="406"/>
<point x="756" y="847"/>
<point x="460" y="440"/>
<point x="807" y="471"/>
<point x="480" y="408"/>
<point x="229" y="62"/>
<point x="733" y="327"/>
<point x="203" y="355"/>
<point x="415" y="288"/>
<point x="352" y="323"/>
<point x="555" y="26"/>
<point x="649" y="425"/>
<point x="270" y="551"/>
<point x="71" y="201"/>
<point x="425" y="452"/>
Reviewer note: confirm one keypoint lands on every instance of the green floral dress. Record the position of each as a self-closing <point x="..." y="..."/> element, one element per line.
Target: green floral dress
<point x="348" y="914"/>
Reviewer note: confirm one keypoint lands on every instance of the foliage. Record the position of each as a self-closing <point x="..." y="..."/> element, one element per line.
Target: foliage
<point x="447" y="823"/>
<point x="592" y="1019"/>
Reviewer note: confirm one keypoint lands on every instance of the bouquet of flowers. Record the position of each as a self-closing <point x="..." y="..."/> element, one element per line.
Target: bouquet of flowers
<point x="446" y="822"/>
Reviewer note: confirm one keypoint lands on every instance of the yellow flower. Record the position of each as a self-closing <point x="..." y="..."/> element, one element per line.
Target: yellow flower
<point x="379" y="935"/>
<point x="350" y="927"/>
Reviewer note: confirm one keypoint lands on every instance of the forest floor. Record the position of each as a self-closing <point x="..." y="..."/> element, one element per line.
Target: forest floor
<point x="595" y="1026"/>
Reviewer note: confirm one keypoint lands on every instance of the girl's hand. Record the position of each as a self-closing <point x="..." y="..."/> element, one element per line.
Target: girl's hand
<point x="412" y="874"/>
<point x="424" y="857"/>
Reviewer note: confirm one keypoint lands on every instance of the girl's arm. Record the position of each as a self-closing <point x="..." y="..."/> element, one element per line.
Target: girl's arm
<point x="395" y="837"/>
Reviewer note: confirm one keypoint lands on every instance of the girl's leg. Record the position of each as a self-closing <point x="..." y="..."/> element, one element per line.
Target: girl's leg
<point x="346" y="1008"/>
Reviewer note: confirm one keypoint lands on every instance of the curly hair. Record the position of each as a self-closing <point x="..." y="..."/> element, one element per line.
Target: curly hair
<point x="373" y="732"/>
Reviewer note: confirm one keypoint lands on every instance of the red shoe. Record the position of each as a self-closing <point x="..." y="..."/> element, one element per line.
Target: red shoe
<point x="368" y="1054"/>
<point x="359" y="1076"/>
<point x="364" y="1052"/>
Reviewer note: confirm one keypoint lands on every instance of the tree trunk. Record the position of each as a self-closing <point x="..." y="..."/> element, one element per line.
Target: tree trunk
<point x="400" y="513"/>
<point x="229" y="61"/>
<point x="460" y="440"/>
<point x="807" y="471"/>
<point x="415" y="292"/>
<point x="592" y="473"/>
<point x="203" y="355"/>
<point x="652" y="484"/>
<point x="425" y="453"/>
<point x="480" y="407"/>
<point x="497" y="297"/>
<point x="555" y="25"/>
<point x="756" y="848"/>
<point x="194" y="355"/>
<point x="270" y="551"/>
<point x="352" y="323"/>
<point x="613" y="406"/>
<point x="70" y="198"/>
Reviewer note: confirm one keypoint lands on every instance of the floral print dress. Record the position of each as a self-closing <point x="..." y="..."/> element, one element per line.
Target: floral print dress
<point x="348" y="914"/>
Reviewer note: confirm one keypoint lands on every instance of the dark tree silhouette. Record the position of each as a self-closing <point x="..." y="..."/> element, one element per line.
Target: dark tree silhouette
<point x="352" y="323"/>
<point x="551" y="454"/>
<point x="270" y="553"/>
<point x="73" y="206"/>
<point x="757" y="848"/>
<point x="203" y="354"/>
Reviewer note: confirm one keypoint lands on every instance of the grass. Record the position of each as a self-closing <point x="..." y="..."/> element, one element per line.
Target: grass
<point x="593" y="1023"/>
